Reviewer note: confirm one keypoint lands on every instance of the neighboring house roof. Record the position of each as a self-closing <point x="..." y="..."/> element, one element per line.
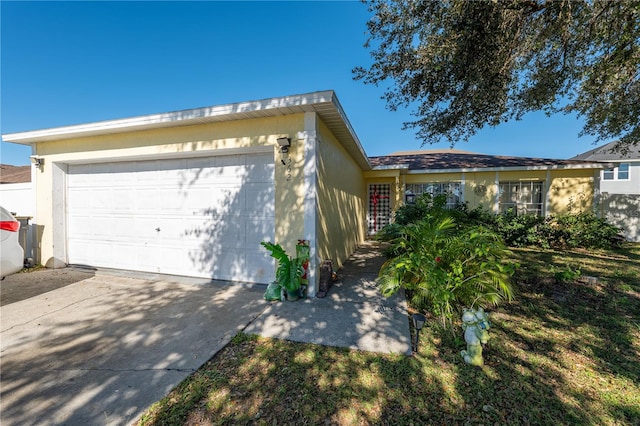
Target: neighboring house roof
<point x="324" y="103"/>
<point x="14" y="174"/>
<point x="454" y="160"/>
<point x="606" y="153"/>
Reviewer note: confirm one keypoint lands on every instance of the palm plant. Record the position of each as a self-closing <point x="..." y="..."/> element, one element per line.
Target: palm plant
<point x="446" y="267"/>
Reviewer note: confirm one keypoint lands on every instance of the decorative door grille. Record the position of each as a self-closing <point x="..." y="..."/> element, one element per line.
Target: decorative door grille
<point x="379" y="207"/>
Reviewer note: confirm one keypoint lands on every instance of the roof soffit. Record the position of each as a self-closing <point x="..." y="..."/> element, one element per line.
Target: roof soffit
<point x="323" y="103"/>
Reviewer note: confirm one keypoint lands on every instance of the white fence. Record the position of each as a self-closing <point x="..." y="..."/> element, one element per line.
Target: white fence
<point x="18" y="198"/>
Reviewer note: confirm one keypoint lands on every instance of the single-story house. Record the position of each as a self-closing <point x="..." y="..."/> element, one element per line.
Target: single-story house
<point x="194" y="192"/>
<point x="619" y="186"/>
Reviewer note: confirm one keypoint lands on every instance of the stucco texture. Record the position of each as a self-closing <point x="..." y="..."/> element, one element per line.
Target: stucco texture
<point x="340" y="200"/>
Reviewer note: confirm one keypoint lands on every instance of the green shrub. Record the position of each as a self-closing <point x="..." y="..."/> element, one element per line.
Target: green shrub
<point x="518" y="231"/>
<point x="446" y="267"/>
<point x="586" y="230"/>
<point x="426" y="205"/>
<point x="572" y="230"/>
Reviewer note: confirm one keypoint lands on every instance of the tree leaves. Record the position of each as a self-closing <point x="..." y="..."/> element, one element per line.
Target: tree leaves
<point x="462" y="65"/>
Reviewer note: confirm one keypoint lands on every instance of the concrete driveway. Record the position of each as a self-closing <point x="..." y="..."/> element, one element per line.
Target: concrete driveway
<point x="100" y="348"/>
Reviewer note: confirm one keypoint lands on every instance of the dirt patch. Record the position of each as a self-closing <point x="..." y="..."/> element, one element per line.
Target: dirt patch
<point x="25" y="285"/>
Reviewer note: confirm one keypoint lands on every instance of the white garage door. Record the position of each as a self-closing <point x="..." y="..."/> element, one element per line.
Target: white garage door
<point x="202" y="217"/>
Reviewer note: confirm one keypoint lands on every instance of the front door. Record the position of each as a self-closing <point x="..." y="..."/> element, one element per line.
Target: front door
<point x="379" y="213"/>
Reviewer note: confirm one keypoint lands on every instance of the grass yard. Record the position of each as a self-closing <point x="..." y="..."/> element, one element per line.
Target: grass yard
<point x="564" y="352"/>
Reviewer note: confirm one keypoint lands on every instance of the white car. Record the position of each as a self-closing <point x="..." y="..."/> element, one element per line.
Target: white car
<point x="11" y="253"/>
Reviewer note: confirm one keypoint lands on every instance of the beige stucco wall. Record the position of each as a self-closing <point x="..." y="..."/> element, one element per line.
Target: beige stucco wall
<point x="233" y="137"/>
<point x="568" y="190"/>
<point x="571" y="191"/>
<point x="341" y="192"/>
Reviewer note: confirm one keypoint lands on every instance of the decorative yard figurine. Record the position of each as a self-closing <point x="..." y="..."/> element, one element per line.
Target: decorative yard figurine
<point x="475" y="324"/>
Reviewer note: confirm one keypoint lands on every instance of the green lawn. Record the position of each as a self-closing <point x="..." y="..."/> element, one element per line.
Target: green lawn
<point x="561" y="353"/>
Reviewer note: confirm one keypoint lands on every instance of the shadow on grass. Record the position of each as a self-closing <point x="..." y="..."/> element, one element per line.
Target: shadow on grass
<point x="560" y="354"/>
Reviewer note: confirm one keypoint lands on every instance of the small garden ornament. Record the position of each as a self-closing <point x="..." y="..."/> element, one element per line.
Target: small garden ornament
<point x="475" y="323"/>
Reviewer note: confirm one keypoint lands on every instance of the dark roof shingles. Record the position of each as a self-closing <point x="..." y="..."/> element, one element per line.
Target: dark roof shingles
<point x="607" y="153"/>
<point x="456" y="161"/>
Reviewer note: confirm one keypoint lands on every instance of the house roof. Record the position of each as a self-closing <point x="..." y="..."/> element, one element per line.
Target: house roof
<point x="324" y="103"/>
<point x="455" y="160"/>
<point x="606" y="153"/>
<point x="14" y="174"/>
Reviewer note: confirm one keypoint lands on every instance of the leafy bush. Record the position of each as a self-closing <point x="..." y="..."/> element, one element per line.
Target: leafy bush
<point x="518" y="231"/>
<point x="586" y="230"/>
<point x="565" y="231"/>
<point x="425" y="205"/>
<point x="446" y="267"/>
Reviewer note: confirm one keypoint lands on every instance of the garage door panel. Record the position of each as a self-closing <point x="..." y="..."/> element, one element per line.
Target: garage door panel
<point x="145" y="227"/>
<point x="79" y="197"/>
<point x="103" y="227"/>
<point x="199" y="163"/>
<point x="260" y="173"/>
<point x="124" y="200"/>
<point x="259" y="199"/>
<point x="124" y="227"/>
<point x="81" y="226"/>
<point x="100" y="199"/>
<point x="260" y="268"/>
<point x="126" y="254"/>
<point x="257" y="230"/>
<point x="199" y="216"/>
<point x="147" y="200"/>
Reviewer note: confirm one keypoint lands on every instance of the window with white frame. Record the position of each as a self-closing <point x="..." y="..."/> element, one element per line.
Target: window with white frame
<point x="451" y="189"/>
<point x="521" y="197"/>
<point x="607" y="174"/>
<point x="621" y="172"/>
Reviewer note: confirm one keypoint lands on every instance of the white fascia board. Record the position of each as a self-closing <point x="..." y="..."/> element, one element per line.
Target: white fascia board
<point x="392" y="167"/>
<point x="269" y="107"/>
<point x="347" y="123"/>
<point x="509" y="169"/>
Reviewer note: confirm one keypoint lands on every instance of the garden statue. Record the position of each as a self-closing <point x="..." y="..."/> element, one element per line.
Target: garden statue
<point x="475" y="324"/>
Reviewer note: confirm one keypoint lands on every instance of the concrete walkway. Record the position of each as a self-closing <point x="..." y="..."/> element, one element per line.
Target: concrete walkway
<point x="352" y="315"/>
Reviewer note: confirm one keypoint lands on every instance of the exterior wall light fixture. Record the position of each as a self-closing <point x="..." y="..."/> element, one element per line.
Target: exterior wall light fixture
<point x="284" y="144"/>
<point x="37" y="161"/>
<point x="410" y="197"/>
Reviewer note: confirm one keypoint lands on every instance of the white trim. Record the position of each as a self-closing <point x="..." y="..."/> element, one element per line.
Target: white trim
<point x="503" y="169"/>
<point x="170" y="155"/>
<point x="496" y="201"/>
<point x="324" y="104"/>
<point x="597" y="195"/>
<point x="392" y="167"/>
<point x="547" y="195"/>
<point x="59" y="216"/>
<point x="310" y="182"/>
<point x="176" y="118"/>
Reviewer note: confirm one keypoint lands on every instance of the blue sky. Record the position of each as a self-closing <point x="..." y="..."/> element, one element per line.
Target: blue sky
<point x="66" y="63"/>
